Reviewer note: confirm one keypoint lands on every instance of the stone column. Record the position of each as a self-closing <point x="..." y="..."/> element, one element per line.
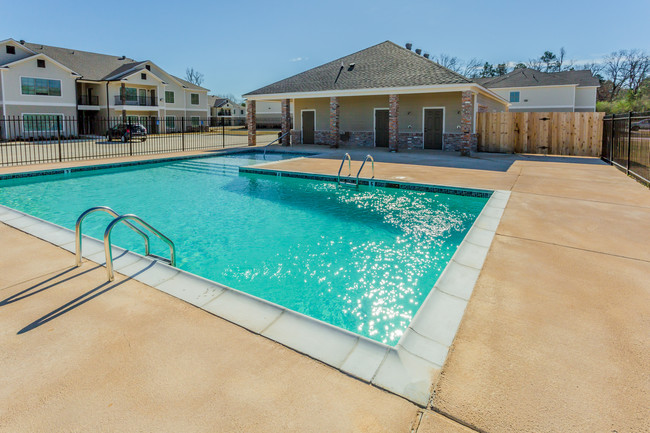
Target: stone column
<point x="335" y="131"/>
<point x="393" y="122"/>
<point x="466" y="122"/>
<point x="251" y="122"/>
<point x="123" y="101"/>
<point x="286" y="121"/>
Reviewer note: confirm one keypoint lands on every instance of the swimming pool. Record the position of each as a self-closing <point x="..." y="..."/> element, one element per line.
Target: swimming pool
<point x="363" y="260"/>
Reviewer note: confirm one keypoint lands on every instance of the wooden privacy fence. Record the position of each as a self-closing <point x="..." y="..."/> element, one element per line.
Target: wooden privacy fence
<point x="578" y="134"/>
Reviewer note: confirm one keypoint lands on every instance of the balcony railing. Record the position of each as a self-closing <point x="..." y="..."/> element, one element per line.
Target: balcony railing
<point x="88" y="100"/>
<point x="142" y="101"/>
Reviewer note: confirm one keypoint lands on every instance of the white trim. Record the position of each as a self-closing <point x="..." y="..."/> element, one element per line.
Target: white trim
<point x="43" y="104"/>
<point x="586" y="106"/>
<point x="143" y="71"/>
<point x="380" y="91"/>
<point x="374" y="125"/>
<point x="443" y="123"/>
<point x="38" y="56"/>
<point x="302" y="125"/>
<point x="540" y="106"/>
<point x="534" y="87"/>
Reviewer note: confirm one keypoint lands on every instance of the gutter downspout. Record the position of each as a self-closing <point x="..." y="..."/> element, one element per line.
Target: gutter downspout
<point x="4" y="107"/>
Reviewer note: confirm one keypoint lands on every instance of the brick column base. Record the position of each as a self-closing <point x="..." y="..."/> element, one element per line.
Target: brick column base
<point x="286" y="121"/>
<point x="251" y="123"/>
<point x="466" y="122"/>
<point x="393" y="122"/>
<point x="335" y="132"/>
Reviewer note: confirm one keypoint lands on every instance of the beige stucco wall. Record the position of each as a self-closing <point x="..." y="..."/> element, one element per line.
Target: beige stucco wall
<point x="543" y="98"/>
<point x="586" y="99"/>
<point x="21" y="53"/>
<point x="357" y="112"/>
<point x="28" y="68"/>
<point x="492" y="105"/>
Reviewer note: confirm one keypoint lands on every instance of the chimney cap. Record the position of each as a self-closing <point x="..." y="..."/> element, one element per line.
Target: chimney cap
<point x="426" y="55"/>
<point x="409" y="46"/>
<point x="418" y="51"/>
<point x="22" y="42"/>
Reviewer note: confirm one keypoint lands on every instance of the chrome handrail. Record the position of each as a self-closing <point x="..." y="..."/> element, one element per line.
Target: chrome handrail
<point x="108" y="247"/>
<point x="279" y="138"/>
<point x="364" y="163"/>
<point x="108" y="210"/>
<point x="338" y="177"/>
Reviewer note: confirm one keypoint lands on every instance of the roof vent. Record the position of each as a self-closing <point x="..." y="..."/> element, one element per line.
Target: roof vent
<point x="409" y="45"/>
<point x="426" y="55"/>
<point x="418" y="51"/>
<point x="122" y="58"/>
<point x="22" y="42"/>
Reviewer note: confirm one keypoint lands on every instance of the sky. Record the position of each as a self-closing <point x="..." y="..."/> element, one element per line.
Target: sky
<point x="240" y="46"/>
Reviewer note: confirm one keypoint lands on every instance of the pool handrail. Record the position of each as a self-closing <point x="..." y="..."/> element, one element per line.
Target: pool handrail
<point x="372" y="160"/>
<point x="346" y="156"/>
<point x="108" y="250"/>
<point x="279" y="138"/>
<point x="108" y="210"/>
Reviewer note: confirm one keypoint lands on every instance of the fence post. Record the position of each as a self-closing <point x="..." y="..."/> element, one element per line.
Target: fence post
<point x="611" y="141"/>
<point x="629" y="141"/>
<point x="183" y="133"/>
<point x="58" y="136"/>
<point x="223" y="133"/>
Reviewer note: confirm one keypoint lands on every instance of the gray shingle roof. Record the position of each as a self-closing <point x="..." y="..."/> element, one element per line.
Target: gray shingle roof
<point x="95" y="66"/>
<point x="526" y="77"/>
<point x="383" y="65"/>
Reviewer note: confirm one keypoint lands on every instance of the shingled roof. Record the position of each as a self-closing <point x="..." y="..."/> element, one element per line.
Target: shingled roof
<point x="526" y="77"/>
<point x="380" y="66"/>
<point x="95" y="66"/>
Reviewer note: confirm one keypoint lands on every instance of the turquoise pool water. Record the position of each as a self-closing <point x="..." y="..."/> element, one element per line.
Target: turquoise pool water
<point x="363" y="260"/>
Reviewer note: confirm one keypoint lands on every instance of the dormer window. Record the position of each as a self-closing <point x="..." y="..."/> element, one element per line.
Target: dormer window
<point x="40" y="63"/>
<point x="143" y="76"/>
<point x="11" y="49"/>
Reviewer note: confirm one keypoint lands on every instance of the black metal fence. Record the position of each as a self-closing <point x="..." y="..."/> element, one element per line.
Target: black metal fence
<point x="626" y="143"/>
<point x="42" y="138"/>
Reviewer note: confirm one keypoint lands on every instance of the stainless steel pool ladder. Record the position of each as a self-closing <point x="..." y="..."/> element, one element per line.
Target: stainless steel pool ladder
<point x="338" y="177"/>
<point x="348" y="180"/>
<point x="107" y="237"/>
<point x="277" y="139"/>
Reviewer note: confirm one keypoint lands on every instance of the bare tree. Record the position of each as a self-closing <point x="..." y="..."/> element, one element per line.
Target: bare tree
<point x="472" y="68"/>
<point x="636" y="66"/>
<point x="535" y="64"/>
<point x="595" y="68"/>
<point x="193" y="76"/>
<point x="449" y="62"/>
<point x="614" y="69"/>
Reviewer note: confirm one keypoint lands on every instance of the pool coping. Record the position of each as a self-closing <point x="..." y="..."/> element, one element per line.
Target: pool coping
<point x="407" y="369"/>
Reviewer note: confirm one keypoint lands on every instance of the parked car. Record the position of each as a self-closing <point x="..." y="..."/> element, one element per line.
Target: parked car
<point x="127" y="132"/>
<point x="641" y="124"/>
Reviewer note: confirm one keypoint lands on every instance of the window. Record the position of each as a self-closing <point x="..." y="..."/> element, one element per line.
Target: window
<point x="169" y="97"/>
<point x="148" y="67"/>
<point x="242" y="111"/>
<point x="132" y="119"/>
<point x="41" y="122"/>
<point x="11" y="49"/>
<point x="131" y="94"/>
<point x="514" y="96"/>
<point x="170" y="122"/>
<point x="40" y="63"/>
<point x="194" y="99"/>
<point x="40" y="86"/>
<point x="143" y="76"/>
<point x="195" y="121"/>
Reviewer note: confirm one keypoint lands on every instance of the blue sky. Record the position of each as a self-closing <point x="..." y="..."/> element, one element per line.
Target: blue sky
<point x="242" y="45"/>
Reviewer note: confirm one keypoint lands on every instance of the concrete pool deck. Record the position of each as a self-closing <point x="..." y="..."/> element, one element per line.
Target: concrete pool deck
<point x="554" y="337"/>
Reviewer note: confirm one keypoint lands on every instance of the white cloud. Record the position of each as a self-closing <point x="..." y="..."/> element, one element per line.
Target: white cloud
<point x="298" y="59"/>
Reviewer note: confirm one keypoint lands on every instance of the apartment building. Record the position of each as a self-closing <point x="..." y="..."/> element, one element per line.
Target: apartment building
<point x="40" y="83"/>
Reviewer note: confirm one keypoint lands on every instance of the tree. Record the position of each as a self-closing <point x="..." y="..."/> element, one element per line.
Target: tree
<point x="520" y="66"/>
<point x="501" y="69"/>
<point x="487" y="71"/>
<point x="193" y="76"/>
<point x="472" y="68"/>
<point x="449" y="62"/>
<point x="614" y="70"/>
<point x="636" y="68"/>
<point x="549" y="60"/>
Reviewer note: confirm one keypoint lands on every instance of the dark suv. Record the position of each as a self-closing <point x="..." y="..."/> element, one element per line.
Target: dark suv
<point x="127" y="132"/>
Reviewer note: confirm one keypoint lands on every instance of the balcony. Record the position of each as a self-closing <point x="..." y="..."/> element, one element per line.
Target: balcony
<point x="140" y="101"/>
<point x="88" y="100"/>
